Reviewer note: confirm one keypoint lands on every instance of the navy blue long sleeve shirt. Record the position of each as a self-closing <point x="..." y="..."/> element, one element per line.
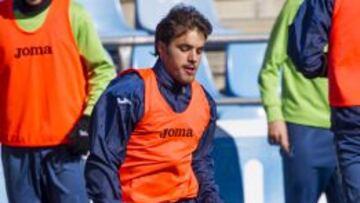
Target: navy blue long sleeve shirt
<point x="113" y="122"/>
<point x="308" y="36"/>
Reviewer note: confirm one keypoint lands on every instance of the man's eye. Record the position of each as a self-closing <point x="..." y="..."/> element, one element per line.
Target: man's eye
<point x="199" y="51"/>
<point x="185" y="48"/>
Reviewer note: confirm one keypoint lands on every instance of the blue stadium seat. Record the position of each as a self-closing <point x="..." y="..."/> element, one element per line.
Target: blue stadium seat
<point x="243" y="64"/>
<point x="257" y="149"/>
<point x="142" y="56"/>
<point x="108" y="18"/>
<point x="247" y="168"/>
<point x="150" y="12"/>
<point x="230" y="112"/>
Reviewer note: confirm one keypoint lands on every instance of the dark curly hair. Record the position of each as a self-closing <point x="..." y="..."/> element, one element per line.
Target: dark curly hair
<point x="178" y="21"/>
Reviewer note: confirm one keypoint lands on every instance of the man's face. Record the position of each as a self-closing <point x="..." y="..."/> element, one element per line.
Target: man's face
<point x="33" y="2"/>
<point x="182" y="56"/>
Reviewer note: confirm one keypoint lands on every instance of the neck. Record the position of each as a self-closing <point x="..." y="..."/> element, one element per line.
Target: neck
<point x="166" y="80"/>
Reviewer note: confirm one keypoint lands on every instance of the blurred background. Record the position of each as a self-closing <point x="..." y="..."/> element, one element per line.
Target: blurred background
<point x="247" y="168"/>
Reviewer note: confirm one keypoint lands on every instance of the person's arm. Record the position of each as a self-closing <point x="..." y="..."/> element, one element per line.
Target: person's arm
<point x="100" y="69"/>
<point x="275" y="57"/>
<point x="308" y="36"/>
<point x="114" y="118"/>
<point x="269" y="77"/>
<point x="203" y="164"/>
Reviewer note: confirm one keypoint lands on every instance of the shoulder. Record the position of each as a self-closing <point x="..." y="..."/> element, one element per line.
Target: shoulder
<point x="78" y="12"/>
<point x="129" y="84"/>
<point x="76" y="7"/>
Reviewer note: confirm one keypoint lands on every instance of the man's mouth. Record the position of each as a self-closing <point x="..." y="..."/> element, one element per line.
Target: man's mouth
<point x="191" y="70"/>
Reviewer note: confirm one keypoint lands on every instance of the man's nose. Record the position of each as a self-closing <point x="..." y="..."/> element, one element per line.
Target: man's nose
<point x="194" y="57"/>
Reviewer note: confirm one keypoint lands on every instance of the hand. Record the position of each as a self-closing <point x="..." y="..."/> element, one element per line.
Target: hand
<point x="277" y="134"/>
<point x="79" y="137"/>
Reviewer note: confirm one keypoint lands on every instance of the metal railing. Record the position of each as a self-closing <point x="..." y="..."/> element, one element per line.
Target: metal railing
<point x="237" y="101"/>
<point x="213" y="39"/>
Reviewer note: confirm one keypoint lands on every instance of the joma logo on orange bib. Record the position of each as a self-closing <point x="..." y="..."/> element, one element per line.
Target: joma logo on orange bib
<point x="176" y="132"/>
<point x="31" y="51"/>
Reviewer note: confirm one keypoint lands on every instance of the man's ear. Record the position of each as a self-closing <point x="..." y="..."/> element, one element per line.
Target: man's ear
<point x="162" y="48"/>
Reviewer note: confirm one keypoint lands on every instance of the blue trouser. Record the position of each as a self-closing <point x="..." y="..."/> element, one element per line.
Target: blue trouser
<point x="348" y="149"/>
<point x="38" y="175"/>
<point x="310" y="167"/>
